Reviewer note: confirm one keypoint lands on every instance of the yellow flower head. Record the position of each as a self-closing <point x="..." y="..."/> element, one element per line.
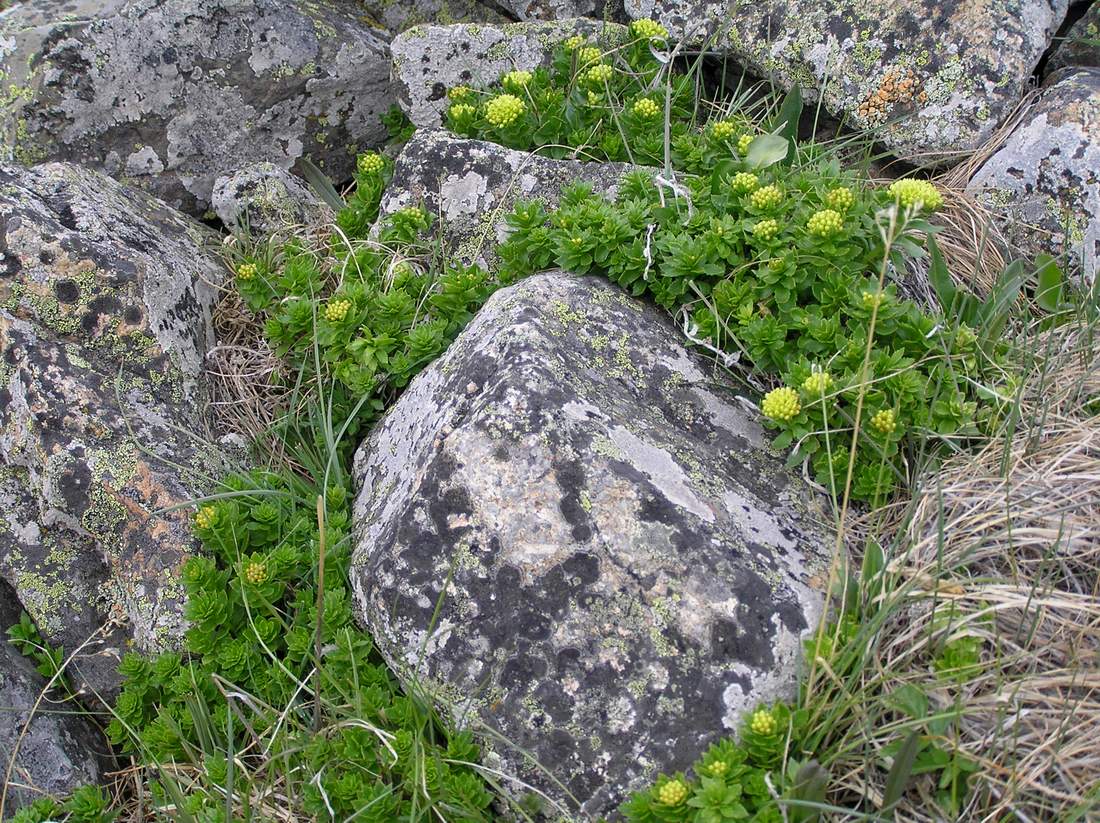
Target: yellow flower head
<point x="743" y="144"/>
<point x="744" y="182"/>
<point x="722" y="129"/>
<point x="594" y="98"/>
<point x="206" y="517"/>
<point x="718" y="768"/>
<point x="648" y="30"/>
<point x="460" y="94"/>
<point x="825" y="223"/>
<point x="462" y="111"/>
<point x="781" y="404"/>
<point x="766" y="229"/>
<point x="574" y="43"/>
<point x="589" y="54"/>
<point x="840" y="199"/>
<point x="672" y="793"/>
<point x="763" y="723"/>
<point x="371" y="163"/>
<point x="646" y="109"/>
<point x="817" y="384"/>
<point x="504" y="110"/>
<point x="884" y="421"/>
<point x="767" y="198"/>
<point x="873" y="299"/>
<point x="598" y="75"/>
<point x="246" y="271"/>
<point x="918" y="194"/>
<point x="337" y="310"/>
<point x="516" y="80"/>
<point x="255" y="573"/>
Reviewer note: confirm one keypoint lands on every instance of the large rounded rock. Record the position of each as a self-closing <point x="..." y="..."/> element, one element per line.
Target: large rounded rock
<point x="473" y="185"/>
<point x="1043" y="184"/>
<point x="169" y="94"/>
<point x="105" y="304"/>
<point x="572" y="536"/>
<point x="932" y="80"/>
<point x="262" y="199"/>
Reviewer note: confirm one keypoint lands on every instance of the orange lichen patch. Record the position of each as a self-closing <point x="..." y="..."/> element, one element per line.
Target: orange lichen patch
<point x="898" y="85"/>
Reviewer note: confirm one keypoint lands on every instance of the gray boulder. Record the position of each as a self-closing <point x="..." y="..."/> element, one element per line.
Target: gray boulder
<point x="470" y="186"/>
<point x="1081" y="44"/>
<point x="170" y="94"/>
<point x="105" y="319"/>
<point x="931" y="80"/>
<point x="428" y="60"/>
<point x="1043" y="184"/>
<point x="264" y="198"/>
<point x="61" y="749"/>
<point x="620" y="565"/>
<point x="398" y="17"/>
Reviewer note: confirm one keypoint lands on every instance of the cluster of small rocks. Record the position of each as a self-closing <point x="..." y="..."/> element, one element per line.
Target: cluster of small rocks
<point x="635" y="567"/>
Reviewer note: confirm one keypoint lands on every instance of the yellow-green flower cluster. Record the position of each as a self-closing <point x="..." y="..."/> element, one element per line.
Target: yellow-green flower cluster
<point x="206" y="517"/>
<point x="255" y="572"/>
<point x="744" y="181"/>
<point x="598" y="75"/>
<point x="718" y="768"/>
<point x="589" y="54"/>
<point x="767" y="198"/>
<point x="460" y="94"/>
<point x="504" y="110"/>
<point x="246" y="271"/>
<point x="825" y="223"/>
<point x="840" y="199"/>
<point x="884" y="421"/>
<point x="916" y="193"/>
<point x="766" y="230"/>
<point x="462" y="112"/>
<point x="648" y="30"/>
<point x="781" y="404"/>
<point x="743" y="144"/>
<point x="763" y="722"/>
<point x="337" y="310"/>
<point x="516" y="80"/>
<point x="646" y="109"/>
<point x="873" y="299"/>
<point x="594" y="98"/>
<point x="817" y="383"/>
<point x="722" y="129"/>
<point x="672" y="793"/>
<point x="574" y="43"/>
<point x="371" y="163"/>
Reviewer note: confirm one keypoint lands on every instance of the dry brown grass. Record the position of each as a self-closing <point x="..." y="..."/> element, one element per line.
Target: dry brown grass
<point x="1003" y="545"/>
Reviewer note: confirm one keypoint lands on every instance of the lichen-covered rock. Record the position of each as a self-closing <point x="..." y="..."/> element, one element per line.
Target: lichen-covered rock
<point x="929" y="78"/>
<point x="61" y="750"/>
<point x="470" y="186"/>
<point x="170" y="94"/>
<point x="399" y="15"/>
<point x="264" y="198"/>
<point x="1044" y="183"/>
<point x="620" y="565"/>
<point x="428" y="60"/>
<point x="105" y="301"/>
<point x="1081" y="44"/>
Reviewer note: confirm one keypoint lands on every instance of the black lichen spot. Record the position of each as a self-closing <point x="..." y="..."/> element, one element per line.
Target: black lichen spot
<point x="521" y="670"/>
<point x="66" y="291"/>
<point x="74" y="485"/>
<point x="439" y="91"/>
<point x="66" y="217"/>
<point x="105" y="304"/>
<point x="571" y="481"/>
<point x="46" y="257"/>
<point x="583" y="566"/>
<point x="132" y="315"/>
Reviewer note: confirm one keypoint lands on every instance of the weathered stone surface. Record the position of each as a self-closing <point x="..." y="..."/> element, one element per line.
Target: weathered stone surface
<point x="1081" y="44"/>
<point x="170" y="94"/>
<point x="428" y="60"/>
<point x="399" y="16"/>
<point x="1044" y="183"/>
<point x="105" y="300"/>
<point x="621" y="566"/>
<point x="470" y="186"/>
<point x="264" y="198"/>
<point x="929" y="78"/>
<point x="61" y="750"/>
